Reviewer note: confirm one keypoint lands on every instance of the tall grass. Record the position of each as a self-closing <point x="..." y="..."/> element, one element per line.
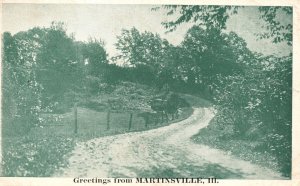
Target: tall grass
<point x="46" y="148"/>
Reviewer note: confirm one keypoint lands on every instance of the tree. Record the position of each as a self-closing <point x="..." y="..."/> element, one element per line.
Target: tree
<point x="257" y="102"/>
<point x="95" y="55"/>
<point x="207" y="54"/>
<point x="59" y="68"/>
<point x="277" y="29"/>
<point x="216" y="16"/>
<point x="130" y="45"/>
<point x="143" y="51"/>
<point x="259" y="106"/>
<point x="20" y="88"/>
<point x="209" y="17"/>
<point x="141" y="48"/>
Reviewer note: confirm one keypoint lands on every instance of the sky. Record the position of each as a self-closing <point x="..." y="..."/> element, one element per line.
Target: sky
<point x="106" y="22"/>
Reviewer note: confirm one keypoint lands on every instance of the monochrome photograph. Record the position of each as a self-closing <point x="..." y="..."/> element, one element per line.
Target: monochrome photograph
<point x="155" y="92"/>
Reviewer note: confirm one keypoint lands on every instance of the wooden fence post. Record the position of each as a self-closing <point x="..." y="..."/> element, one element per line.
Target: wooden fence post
<point x="130" y="121"/>
<point x="75" y="118"/>
<point x="146" y="121"/>
<point x="108" y="120"/>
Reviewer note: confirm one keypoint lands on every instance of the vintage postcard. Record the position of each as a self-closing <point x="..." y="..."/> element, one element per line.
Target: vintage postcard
<point x="149" y="93"/>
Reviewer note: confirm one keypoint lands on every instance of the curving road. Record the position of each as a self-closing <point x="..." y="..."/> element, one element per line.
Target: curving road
<point x="163" y="152"/>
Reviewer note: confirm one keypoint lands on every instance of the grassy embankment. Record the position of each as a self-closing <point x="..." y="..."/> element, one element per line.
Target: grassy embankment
<point x="221" y="136"/>
<point x="46" y="148"/>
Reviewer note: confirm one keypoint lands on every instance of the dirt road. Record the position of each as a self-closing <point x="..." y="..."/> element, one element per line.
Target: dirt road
<point x="162" y="152"/>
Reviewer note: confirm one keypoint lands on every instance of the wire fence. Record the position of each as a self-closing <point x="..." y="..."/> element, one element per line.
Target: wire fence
<point x="86" y="122"/>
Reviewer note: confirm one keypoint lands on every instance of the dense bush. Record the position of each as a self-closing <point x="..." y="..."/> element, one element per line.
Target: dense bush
<point x="34" y="156"/>
<point x="258" y="105"/>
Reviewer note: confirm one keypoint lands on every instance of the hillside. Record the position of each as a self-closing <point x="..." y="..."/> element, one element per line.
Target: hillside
<point x="31" y="155"/>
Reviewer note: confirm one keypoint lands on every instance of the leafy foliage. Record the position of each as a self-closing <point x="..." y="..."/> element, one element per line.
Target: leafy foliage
<point x="21" y="89"/>
<point x="211" y="16"/>
<point x="207" y="54"/>
<point x="144" y="51"/>
<point x="253" y="103"/>
<point x="258" y="106"/>
<point x="279" y="30"/>
<point x="31" y="156"/>
<point x="95" y="56"/>
<point x="57" y="60"/>
<point x="141" y="48"/>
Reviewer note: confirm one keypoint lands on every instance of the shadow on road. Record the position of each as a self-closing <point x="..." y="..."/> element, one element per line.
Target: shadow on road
<point x="207" y="170"/>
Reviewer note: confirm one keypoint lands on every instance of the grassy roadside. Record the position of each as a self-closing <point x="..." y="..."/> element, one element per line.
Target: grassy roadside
<point x="220" y="136"/>
<point x="92" y="123"/>
<point x="31" y="156"/>
<point x="46" y="149"/>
